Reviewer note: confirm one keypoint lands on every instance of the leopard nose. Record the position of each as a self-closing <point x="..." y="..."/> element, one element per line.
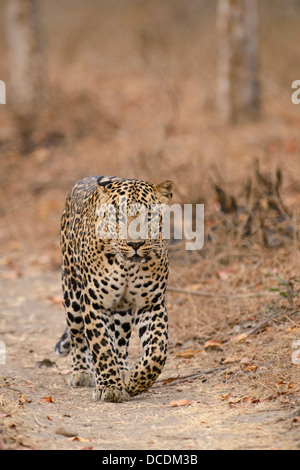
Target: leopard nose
<point x="136" y="244"/>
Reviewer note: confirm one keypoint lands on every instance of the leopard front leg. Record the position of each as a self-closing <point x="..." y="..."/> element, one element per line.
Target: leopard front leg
<point x="82" y="373"/>
<point x="152" y="326"/>
<point x="100" y="334"/>
<point x="123" y="329"/>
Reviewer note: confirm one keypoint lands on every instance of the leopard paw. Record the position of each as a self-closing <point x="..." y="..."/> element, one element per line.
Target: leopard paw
<point x="110" y="394"/>
<point x="82" y="379"/>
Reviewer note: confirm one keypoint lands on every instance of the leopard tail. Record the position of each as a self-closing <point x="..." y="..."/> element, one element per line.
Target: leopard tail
<point x="63" y="347"/>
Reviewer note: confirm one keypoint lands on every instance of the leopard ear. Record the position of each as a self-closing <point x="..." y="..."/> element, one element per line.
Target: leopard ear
<point x="105" y="183"/>
<point x="165" y="191"/>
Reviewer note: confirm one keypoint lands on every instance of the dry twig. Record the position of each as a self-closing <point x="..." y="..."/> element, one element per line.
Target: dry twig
<point x="223" y="296"/>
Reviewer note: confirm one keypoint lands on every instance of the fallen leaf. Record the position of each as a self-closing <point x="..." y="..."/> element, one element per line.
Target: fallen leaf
<point x="293" y="329"/>
<point x="79" y="439"/>
<point x="237" y="400"/>
<point x="291" y="391"/>
<point x="170" y="380"/>
<point x="234" y="401"/>
<point x="255" y="400"/>
<point x="244" y="399"/>
<point x="250" y="368"/>
<point x="281" y="382"/>
<point x="226" y="396"/>
<point x="4" y="415"/>
<point x="183" y="402"/>
<point x="46" y="400"/>
<point x="286" y="388"/>
<point x="213" y="344"/>
<point x="188" y="353"/>
<point x="29" y="385"/>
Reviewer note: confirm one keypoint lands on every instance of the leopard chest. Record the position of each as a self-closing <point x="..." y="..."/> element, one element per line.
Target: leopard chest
<point x="121" y="287"/>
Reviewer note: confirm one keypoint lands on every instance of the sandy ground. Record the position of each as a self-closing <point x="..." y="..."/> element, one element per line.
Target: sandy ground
<point x="39" y="411"/>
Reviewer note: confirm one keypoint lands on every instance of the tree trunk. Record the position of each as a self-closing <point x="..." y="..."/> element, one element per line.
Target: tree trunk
<point x="26" y="61"/>
<point x="238" y="84"/>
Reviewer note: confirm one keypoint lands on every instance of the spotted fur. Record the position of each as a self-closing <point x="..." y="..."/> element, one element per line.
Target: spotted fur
<point x="110" y="285"/>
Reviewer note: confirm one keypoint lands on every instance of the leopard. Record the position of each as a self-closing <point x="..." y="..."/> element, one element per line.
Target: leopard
<point x="112" y="284"/>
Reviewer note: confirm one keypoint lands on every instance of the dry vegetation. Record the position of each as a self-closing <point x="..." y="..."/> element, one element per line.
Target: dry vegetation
<point x="131" y="92"/>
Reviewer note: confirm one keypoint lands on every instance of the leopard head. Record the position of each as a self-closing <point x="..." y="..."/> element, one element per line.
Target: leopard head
<point x="130" y="214"/>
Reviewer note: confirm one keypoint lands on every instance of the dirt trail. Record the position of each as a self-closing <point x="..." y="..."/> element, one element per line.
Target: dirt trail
<point x="39" y="411"/>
